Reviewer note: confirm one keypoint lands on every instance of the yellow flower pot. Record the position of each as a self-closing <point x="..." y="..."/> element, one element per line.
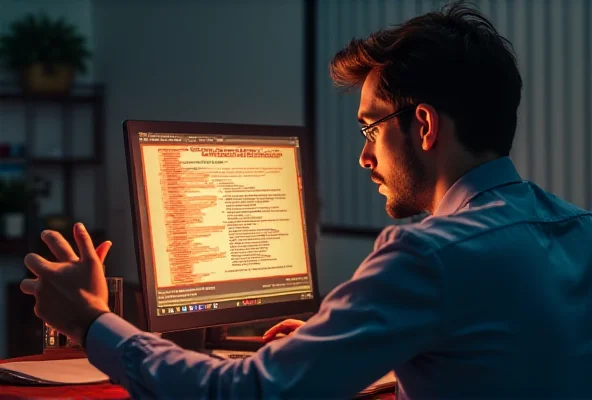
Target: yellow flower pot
<point x="47" y="79"/>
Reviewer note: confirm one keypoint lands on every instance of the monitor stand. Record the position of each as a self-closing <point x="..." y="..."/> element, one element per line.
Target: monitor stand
<point x="192" y="339"/>
<point x="202" y="340"/>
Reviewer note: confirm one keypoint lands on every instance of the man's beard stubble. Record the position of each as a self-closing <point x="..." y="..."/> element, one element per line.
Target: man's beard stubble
<point x="407" y="185"/>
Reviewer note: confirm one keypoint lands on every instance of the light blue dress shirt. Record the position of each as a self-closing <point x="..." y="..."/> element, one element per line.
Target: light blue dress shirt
<point x="489" y="297"/>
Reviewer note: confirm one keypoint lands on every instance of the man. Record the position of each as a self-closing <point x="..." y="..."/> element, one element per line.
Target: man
<point x="490" y="296"/>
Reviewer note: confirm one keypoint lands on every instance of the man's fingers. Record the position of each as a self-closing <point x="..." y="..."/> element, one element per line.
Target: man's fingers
<point x="38" y="265"/>
<point x="59" y="246"/>
<point x="275" y="329"/>
<point x="28" y="286"/>
<point x="84" y="242"/>
<point x="103" y="250"/>
<point x="286" y="327"/>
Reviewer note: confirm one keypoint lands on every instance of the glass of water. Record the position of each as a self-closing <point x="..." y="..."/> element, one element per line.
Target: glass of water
<point x="54" y="340"/>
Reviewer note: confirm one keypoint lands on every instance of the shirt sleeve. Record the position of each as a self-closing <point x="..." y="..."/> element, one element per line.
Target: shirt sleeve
<point x="391" y="310"/>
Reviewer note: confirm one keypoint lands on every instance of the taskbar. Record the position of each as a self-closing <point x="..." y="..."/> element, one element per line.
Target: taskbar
<point x="164" y="310"/>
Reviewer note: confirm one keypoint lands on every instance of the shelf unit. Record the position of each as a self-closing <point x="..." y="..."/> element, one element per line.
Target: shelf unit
<point x="67" y="163"/>
<point x="23" y="328"/>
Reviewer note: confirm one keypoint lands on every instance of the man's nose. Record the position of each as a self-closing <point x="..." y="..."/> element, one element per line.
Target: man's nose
<point x="367" y="159"/>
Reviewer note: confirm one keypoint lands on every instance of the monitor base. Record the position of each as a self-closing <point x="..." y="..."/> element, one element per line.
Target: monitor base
<point x="240" y="343"/>
<point x="202" y="340"/>
<point x="192" y="339"/>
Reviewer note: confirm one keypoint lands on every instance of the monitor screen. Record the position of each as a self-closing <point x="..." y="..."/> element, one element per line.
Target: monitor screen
<point x="222" y="225"/>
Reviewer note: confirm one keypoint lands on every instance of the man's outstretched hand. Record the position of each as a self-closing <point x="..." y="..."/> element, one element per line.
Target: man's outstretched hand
<point x="72" y="292"/>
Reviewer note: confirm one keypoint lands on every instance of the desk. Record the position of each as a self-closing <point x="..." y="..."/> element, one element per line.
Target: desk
<point x="103" y="391"/>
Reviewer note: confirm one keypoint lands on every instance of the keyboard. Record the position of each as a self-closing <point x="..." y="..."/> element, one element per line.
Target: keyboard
<point x="231" y="354"/>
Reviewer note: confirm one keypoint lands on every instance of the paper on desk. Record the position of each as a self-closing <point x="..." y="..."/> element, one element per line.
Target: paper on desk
<point x="389" y="381"/>
<point x="56" y="372"/>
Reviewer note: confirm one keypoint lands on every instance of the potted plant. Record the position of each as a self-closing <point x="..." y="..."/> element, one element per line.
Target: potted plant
<point x="44" y="53"/>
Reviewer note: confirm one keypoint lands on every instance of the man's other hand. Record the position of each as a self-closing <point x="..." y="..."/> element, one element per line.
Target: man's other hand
<point x="286" y="327"/>
<point x="72" y="292"/>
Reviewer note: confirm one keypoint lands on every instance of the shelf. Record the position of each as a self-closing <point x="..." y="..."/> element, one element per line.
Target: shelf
<point x="80" y="94"/>
<point x="64" y="160"/>
<point x="47" y="98"/>
<point x="44" y="161"/>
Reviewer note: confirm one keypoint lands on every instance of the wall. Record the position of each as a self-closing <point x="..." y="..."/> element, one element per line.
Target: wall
<point x="212" y="61"/>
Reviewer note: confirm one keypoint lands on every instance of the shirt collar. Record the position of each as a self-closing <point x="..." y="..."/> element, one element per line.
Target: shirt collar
<point x="489" y="175"/>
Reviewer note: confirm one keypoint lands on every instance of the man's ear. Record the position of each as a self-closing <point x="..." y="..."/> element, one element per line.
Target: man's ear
<point x="429" y="125"/>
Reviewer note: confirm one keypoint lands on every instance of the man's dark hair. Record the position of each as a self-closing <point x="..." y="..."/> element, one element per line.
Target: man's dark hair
<point x="454" y="60"/>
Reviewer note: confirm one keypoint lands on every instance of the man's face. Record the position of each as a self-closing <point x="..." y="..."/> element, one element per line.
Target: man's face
<point x="394" y="156"/>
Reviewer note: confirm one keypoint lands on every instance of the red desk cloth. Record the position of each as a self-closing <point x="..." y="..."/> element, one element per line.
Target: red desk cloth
<point x="103" y="391"/>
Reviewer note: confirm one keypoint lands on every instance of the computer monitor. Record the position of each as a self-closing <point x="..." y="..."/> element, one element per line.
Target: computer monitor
<point x="224" y="222"/>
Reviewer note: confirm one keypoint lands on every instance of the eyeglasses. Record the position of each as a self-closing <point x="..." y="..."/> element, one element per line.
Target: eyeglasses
<point x="370" y="131"/>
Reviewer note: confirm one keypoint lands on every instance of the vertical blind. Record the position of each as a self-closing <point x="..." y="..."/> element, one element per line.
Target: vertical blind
<point x="552" y="40"/>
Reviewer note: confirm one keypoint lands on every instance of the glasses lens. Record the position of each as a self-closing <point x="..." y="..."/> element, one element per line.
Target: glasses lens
<point x="363" y="132"/>
<point x="371" y="133"/>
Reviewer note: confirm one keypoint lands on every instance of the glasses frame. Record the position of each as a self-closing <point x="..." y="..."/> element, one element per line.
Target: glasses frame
<point x="369" y="132"/>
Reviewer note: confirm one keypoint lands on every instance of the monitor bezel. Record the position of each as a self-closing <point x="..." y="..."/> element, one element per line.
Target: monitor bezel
<point x="220" y="317"/>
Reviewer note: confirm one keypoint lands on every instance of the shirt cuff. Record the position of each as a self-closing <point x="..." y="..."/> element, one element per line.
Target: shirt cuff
<point x="104" y="344"/>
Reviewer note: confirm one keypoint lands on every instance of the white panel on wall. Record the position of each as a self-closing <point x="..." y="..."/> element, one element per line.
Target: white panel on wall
<point x="588" y="73"/>
<point x="558" y="66"/>
<point x="47" y="128"/>
<point x="52" y="204"/>
<point x="552" y="40"/>
<point x="12" y="123"/>
<point x="81" y="142"/>
<point x="518" y="35"/>
<point x="580" y="178"/>
<point x="86" y="200"/>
